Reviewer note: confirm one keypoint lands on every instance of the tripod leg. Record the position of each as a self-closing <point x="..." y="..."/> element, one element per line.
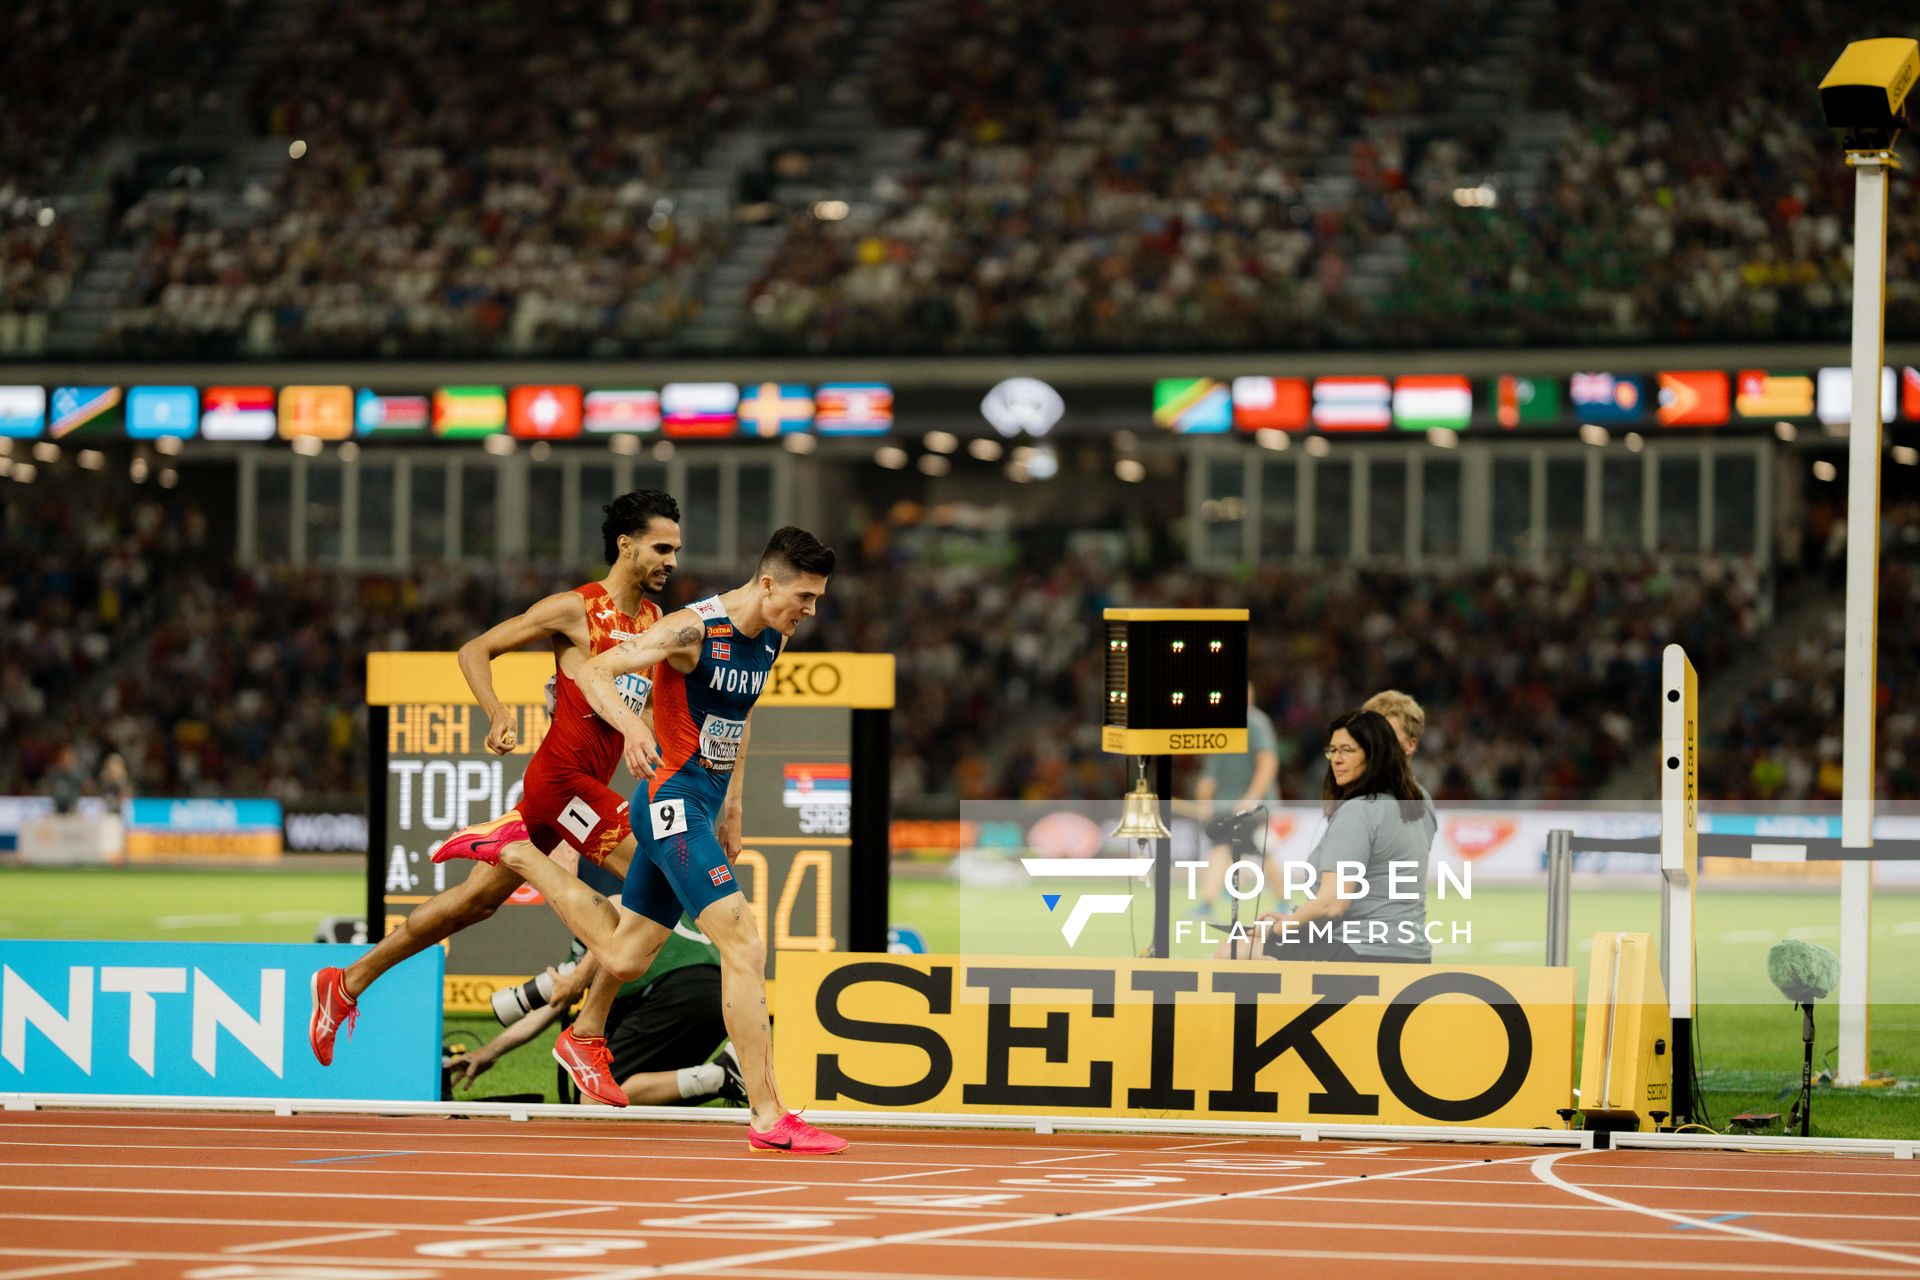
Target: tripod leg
<point x="1806" y="1069"/>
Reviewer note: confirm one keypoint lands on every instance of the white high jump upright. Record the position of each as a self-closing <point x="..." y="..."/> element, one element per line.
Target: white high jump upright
<point x="1679" y="861"/>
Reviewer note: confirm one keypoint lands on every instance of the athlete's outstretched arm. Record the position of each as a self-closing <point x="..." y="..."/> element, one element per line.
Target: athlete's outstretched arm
<point x="677" y="635"/>
<point x="564" y="613"/>
<point x="728" y="828"/>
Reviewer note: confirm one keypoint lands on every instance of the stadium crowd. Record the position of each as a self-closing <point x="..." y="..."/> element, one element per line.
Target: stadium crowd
<point x="1092" y="178"/>
<point x="143" y="67"/>
<point x="1123" y="177"/>
<point x="1783" y="742"/>
<point x="1143" y="183"/>
<point x="129" y="631"/>
<point x="1005" y="710"/>
<point x="461" y="190"/>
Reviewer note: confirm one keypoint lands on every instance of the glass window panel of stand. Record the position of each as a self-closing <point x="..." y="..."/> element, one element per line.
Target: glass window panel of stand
<point x="753" y="522"/>
<point x="546" y="511"/>
<point x="1622" y="483"/>
<point x="1333" y="509"/>
<point x="1279" y="510"/>
<point x="1440" y="507"/>
<point x="1679" y="524"/>
<point x="427" y="511"/>
<point x="273" y="514"/>
<point x="1512" y="507"/>
<point x="326" y="512"/>
<point x="1387" y="509"/>
<point x="479" y="523"/>
<point x="700" y="509"/>
<point x="596" y="491"/>
<point x="1566" y="504"/>
<point x="376" y="511"/>
<point x="1736" y="503"/>
<point x="1223" y="512"/>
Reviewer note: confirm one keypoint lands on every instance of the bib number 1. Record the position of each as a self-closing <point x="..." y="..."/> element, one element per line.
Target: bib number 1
<point x="667" y="818"/>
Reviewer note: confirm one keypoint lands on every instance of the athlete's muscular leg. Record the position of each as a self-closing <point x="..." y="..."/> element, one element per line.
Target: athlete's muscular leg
<point x="606" y="986"/>
<point x="729" y="925"/>
<point x="435" y="920"/>
<point x="625" y="941"/>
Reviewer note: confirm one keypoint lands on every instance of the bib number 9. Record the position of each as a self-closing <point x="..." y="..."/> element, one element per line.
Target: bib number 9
<point x="667" y="818"/>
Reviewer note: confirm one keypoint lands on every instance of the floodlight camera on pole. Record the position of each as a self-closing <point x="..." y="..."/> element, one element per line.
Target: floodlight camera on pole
<point x="1863" y="97"/>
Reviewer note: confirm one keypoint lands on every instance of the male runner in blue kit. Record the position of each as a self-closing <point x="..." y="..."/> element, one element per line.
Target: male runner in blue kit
<point x="713" y="659"/>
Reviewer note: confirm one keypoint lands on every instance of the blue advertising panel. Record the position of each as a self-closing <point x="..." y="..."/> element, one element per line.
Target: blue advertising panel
<point x="209" y="1020"/>
<point x="203" y="829"/>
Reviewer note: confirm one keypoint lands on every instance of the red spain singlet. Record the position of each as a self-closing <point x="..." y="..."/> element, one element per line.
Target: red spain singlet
<point x="579" y="741"/>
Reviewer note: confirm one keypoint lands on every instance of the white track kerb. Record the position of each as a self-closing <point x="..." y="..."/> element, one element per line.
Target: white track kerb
<point x="1581" y="1139"/>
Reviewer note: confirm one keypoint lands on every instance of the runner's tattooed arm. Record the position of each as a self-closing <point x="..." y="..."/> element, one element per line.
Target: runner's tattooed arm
<point x="675" y="638"/>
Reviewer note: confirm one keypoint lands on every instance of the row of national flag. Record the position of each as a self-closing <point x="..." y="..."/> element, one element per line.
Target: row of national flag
<point x="1425" y="402"/>
<point x="676" y="410"/>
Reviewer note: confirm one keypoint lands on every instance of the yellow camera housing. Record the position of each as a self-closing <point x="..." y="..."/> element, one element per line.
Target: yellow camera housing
<point x="1863" y="94"/>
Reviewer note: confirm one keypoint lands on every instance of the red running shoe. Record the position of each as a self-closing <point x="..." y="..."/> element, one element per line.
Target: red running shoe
<point x="331" y="1006"/>
<point x="792" y="1134"/>
<point x="483" y="841"/>
<point x="589" y="1064"/>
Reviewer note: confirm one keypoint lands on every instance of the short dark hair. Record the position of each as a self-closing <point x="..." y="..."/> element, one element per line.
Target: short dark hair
<point x="631" y="513"/>
<point x="1387" y="772"/>
<point x="793" y="551"/>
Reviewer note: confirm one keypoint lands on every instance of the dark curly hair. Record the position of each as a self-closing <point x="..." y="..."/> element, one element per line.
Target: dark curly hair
<point x="631" y="513"/>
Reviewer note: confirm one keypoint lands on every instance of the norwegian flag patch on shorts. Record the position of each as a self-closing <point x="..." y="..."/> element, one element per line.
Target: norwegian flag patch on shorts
<point x="720" y="875"/>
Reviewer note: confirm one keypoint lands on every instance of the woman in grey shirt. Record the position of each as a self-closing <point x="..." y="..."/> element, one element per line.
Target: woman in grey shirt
<point x="1368" y="901"/>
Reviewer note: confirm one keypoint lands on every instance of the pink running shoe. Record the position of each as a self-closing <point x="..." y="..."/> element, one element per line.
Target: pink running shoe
<point x="331" y="1006"/>
<point x="483" y="841"/>
<point x="589" y="1063"/>
<point x="792" y="1134"/>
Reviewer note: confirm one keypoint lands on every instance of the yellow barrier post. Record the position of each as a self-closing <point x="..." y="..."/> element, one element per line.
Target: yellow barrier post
<point x="1626" y="1070"/>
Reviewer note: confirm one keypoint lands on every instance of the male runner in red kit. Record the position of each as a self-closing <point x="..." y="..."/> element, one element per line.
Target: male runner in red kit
<point x="565" y="798"/>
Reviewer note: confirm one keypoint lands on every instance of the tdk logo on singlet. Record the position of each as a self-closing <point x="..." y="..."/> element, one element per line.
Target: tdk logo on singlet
<point x="734" y="680"/>
<point x="633" y="689"/>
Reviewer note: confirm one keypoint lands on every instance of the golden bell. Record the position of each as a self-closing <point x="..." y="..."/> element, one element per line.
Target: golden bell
<point x="1141" y="818"/>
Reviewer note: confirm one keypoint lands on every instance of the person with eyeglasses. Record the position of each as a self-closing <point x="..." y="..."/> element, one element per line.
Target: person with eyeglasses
<point x="1377" y="817"/>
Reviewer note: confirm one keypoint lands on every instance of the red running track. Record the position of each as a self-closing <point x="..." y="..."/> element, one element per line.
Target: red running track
<point x="192" y="1196"/>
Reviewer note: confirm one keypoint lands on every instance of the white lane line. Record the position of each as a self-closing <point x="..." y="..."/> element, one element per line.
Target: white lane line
<point x="1091" y="1155"/>
<point x="1201" y="1146"/>
<point x="1543" y="1169"/>
<point x="544" y="1213"/>
<point x="352" y="1174"/>
<point x="355" y="1154"/>
<point x="66" y="1269"/>
<point x="708" y="1266"/>
<point x="307" y="1240"/>
<point x="507" y="1234"/>
<point x="217" y="919"/>
<point x="1537" y="1264"/>
<point x="504" y="1131"/>
<point x="735" y="1195"/>
<point x="354" y="1197"/>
